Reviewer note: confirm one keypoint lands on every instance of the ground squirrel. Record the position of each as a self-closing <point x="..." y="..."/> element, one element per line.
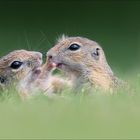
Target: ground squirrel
<point x="84" y="60"/>
<point x="15" y="66"/>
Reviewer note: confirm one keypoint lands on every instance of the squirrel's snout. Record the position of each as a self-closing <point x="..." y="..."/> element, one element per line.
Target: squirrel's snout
<point x="53" y="58"/>
<point x="50" y="55"/>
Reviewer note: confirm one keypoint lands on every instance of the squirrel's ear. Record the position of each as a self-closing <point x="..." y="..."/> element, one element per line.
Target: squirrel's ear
<point x="96" y="53"/>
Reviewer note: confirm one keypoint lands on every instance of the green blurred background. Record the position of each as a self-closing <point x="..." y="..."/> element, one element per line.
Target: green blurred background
<point x="36" y="24"/>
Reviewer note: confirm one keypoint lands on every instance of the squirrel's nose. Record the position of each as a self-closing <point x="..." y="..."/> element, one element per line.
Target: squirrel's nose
<point x="50" y="55"/>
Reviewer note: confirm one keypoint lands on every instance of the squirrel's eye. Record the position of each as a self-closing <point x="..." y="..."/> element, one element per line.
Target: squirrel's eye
<point x="16" y="64"/>
<point x="74" y="47"/>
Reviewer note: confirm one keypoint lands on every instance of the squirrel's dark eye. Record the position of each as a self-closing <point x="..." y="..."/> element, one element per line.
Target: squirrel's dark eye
<point x="16" y="64"/>
<point x="74" y="47"/>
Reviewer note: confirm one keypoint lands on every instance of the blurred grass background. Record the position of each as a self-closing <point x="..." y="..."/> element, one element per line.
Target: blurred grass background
<point x="35" y="25"/>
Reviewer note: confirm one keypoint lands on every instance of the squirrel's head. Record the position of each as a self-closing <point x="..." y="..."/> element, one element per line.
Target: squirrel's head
<point x="77" y="54"/>
<point x="17" y="64"/>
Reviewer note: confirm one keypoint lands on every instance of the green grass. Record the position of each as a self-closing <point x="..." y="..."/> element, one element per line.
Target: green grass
<point x="72" y="116"/>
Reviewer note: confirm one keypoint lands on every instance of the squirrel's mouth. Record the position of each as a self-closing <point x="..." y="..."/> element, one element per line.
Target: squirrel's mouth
<point x="56" y="63"/>
<point x="59" y="65"/>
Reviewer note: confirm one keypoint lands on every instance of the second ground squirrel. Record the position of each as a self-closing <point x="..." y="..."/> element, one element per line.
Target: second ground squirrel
<point x="84" y="60"/>
<point x="16" y="66"/>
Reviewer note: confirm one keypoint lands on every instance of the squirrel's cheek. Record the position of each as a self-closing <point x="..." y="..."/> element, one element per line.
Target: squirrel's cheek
<point x="77" y="58"/>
